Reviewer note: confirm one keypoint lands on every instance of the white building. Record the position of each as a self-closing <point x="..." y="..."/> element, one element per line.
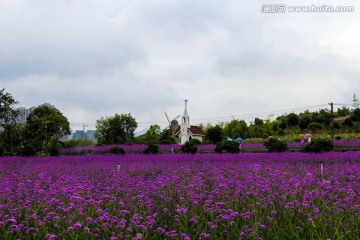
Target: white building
<point x="187" y="131"/>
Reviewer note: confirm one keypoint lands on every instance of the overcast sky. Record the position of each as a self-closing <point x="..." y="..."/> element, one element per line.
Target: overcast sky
<point x="93" y="58"/>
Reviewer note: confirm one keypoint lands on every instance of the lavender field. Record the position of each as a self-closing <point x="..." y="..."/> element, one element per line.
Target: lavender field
<point x="180" y="196"/>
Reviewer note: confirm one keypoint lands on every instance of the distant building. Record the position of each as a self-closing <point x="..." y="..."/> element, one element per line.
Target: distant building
<point x="81" y="134"/>
<point x="187" y="131"/>
<point x="24" y="112"/>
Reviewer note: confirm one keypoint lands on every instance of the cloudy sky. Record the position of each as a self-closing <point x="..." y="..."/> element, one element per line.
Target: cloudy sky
<point x="93" y="58"/>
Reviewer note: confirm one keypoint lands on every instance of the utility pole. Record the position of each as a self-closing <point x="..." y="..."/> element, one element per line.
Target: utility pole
<point x="355" y="101"/>
<point x="83" y="135"/>
<point x="332" y="123"/>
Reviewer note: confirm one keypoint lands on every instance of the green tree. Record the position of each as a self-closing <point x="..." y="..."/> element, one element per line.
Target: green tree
<point x="152" y="135"/>
<point x="166" y="138"/>
<point x="257" y="129"/>
<point x="304" y="122"/>
<point x="44" y="126"/>
<point x="214" y="134"/>
<point x="342" y="112"/>
<point x="8" y="115"/>
<point x="118" y="129"/>
<point x="355" y="115"/>
<point x="292" y="120"/>
<point x="236" y="128"/>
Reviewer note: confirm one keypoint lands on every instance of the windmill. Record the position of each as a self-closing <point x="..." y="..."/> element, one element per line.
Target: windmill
<point x="173" y="125"/>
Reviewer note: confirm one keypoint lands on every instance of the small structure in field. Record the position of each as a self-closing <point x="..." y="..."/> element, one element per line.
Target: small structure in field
<point x="188" y="131"/>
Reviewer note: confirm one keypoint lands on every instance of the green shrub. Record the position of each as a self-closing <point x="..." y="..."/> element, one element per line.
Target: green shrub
<point x="195" y="141"/>
<point x="276" y="145"/>
<point x="314" y="126"/>
<point x="189" y="147"/>
<point x="319" y="145"/>
<point x="151" y="149"/>
<point x="27" y="150"/>
<point x="117" y="151"/>
<point x="167" y="141"/>
<point x="227" y="146"/>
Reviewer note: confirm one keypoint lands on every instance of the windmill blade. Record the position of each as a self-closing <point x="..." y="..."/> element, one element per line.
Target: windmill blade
<point x="176" y="118"/>
<point x="167" y="117"/>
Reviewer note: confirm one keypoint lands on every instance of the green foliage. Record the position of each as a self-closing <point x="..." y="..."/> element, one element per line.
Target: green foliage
<point x="44" y="126"/>
<point x="233" y="129"/>
<point x="8" y="116"/>
<point x="214" y="133"/>
<point x="313" y="126"/>
<point x="152" y="135"/>
<point x="117" y="150"/>
<point x="348" y="122"/>
<point x="152" y="149"/>
<point x="227" y="146"/>
<point x="304" y="122"/>
<point x="28" y="149"/>
<point x="342" y="112"/>
<point x="195" y="141"/>
<point x="118" y="129"/>
<point x="319" y="145"/>
<point x="292" y="119"/>
<point x="54" y="149"/>
<point x="276" y="145"/>
<point x="189" y="147"/>
<point x="166" y="138"/>
<point x="77" y="143"/>
<point x="168" y="141"/>
<point x="355" y="115"/>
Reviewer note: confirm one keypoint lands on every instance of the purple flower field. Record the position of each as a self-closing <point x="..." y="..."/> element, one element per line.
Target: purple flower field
<point x="180" y="196"/>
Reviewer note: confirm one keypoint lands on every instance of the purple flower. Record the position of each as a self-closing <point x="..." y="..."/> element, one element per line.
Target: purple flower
<point x="77" y="225"/>
<point x="11" y="220"/>
<point x="205" y="235"/>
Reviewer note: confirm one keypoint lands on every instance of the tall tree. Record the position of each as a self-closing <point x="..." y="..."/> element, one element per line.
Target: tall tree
<point x="236" y="128"/>
<point x="8" y="115"/>
<point x="152" y="135"/>
<point x="214" y="134"/>
<point x="118" y="129"/>
<point x="292" y="120"/>
<point x="44" y="126"/>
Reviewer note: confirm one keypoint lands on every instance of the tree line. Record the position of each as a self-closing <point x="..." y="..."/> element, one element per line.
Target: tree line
<point x="344" y="120"/>
<point x="45" y="125"/>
